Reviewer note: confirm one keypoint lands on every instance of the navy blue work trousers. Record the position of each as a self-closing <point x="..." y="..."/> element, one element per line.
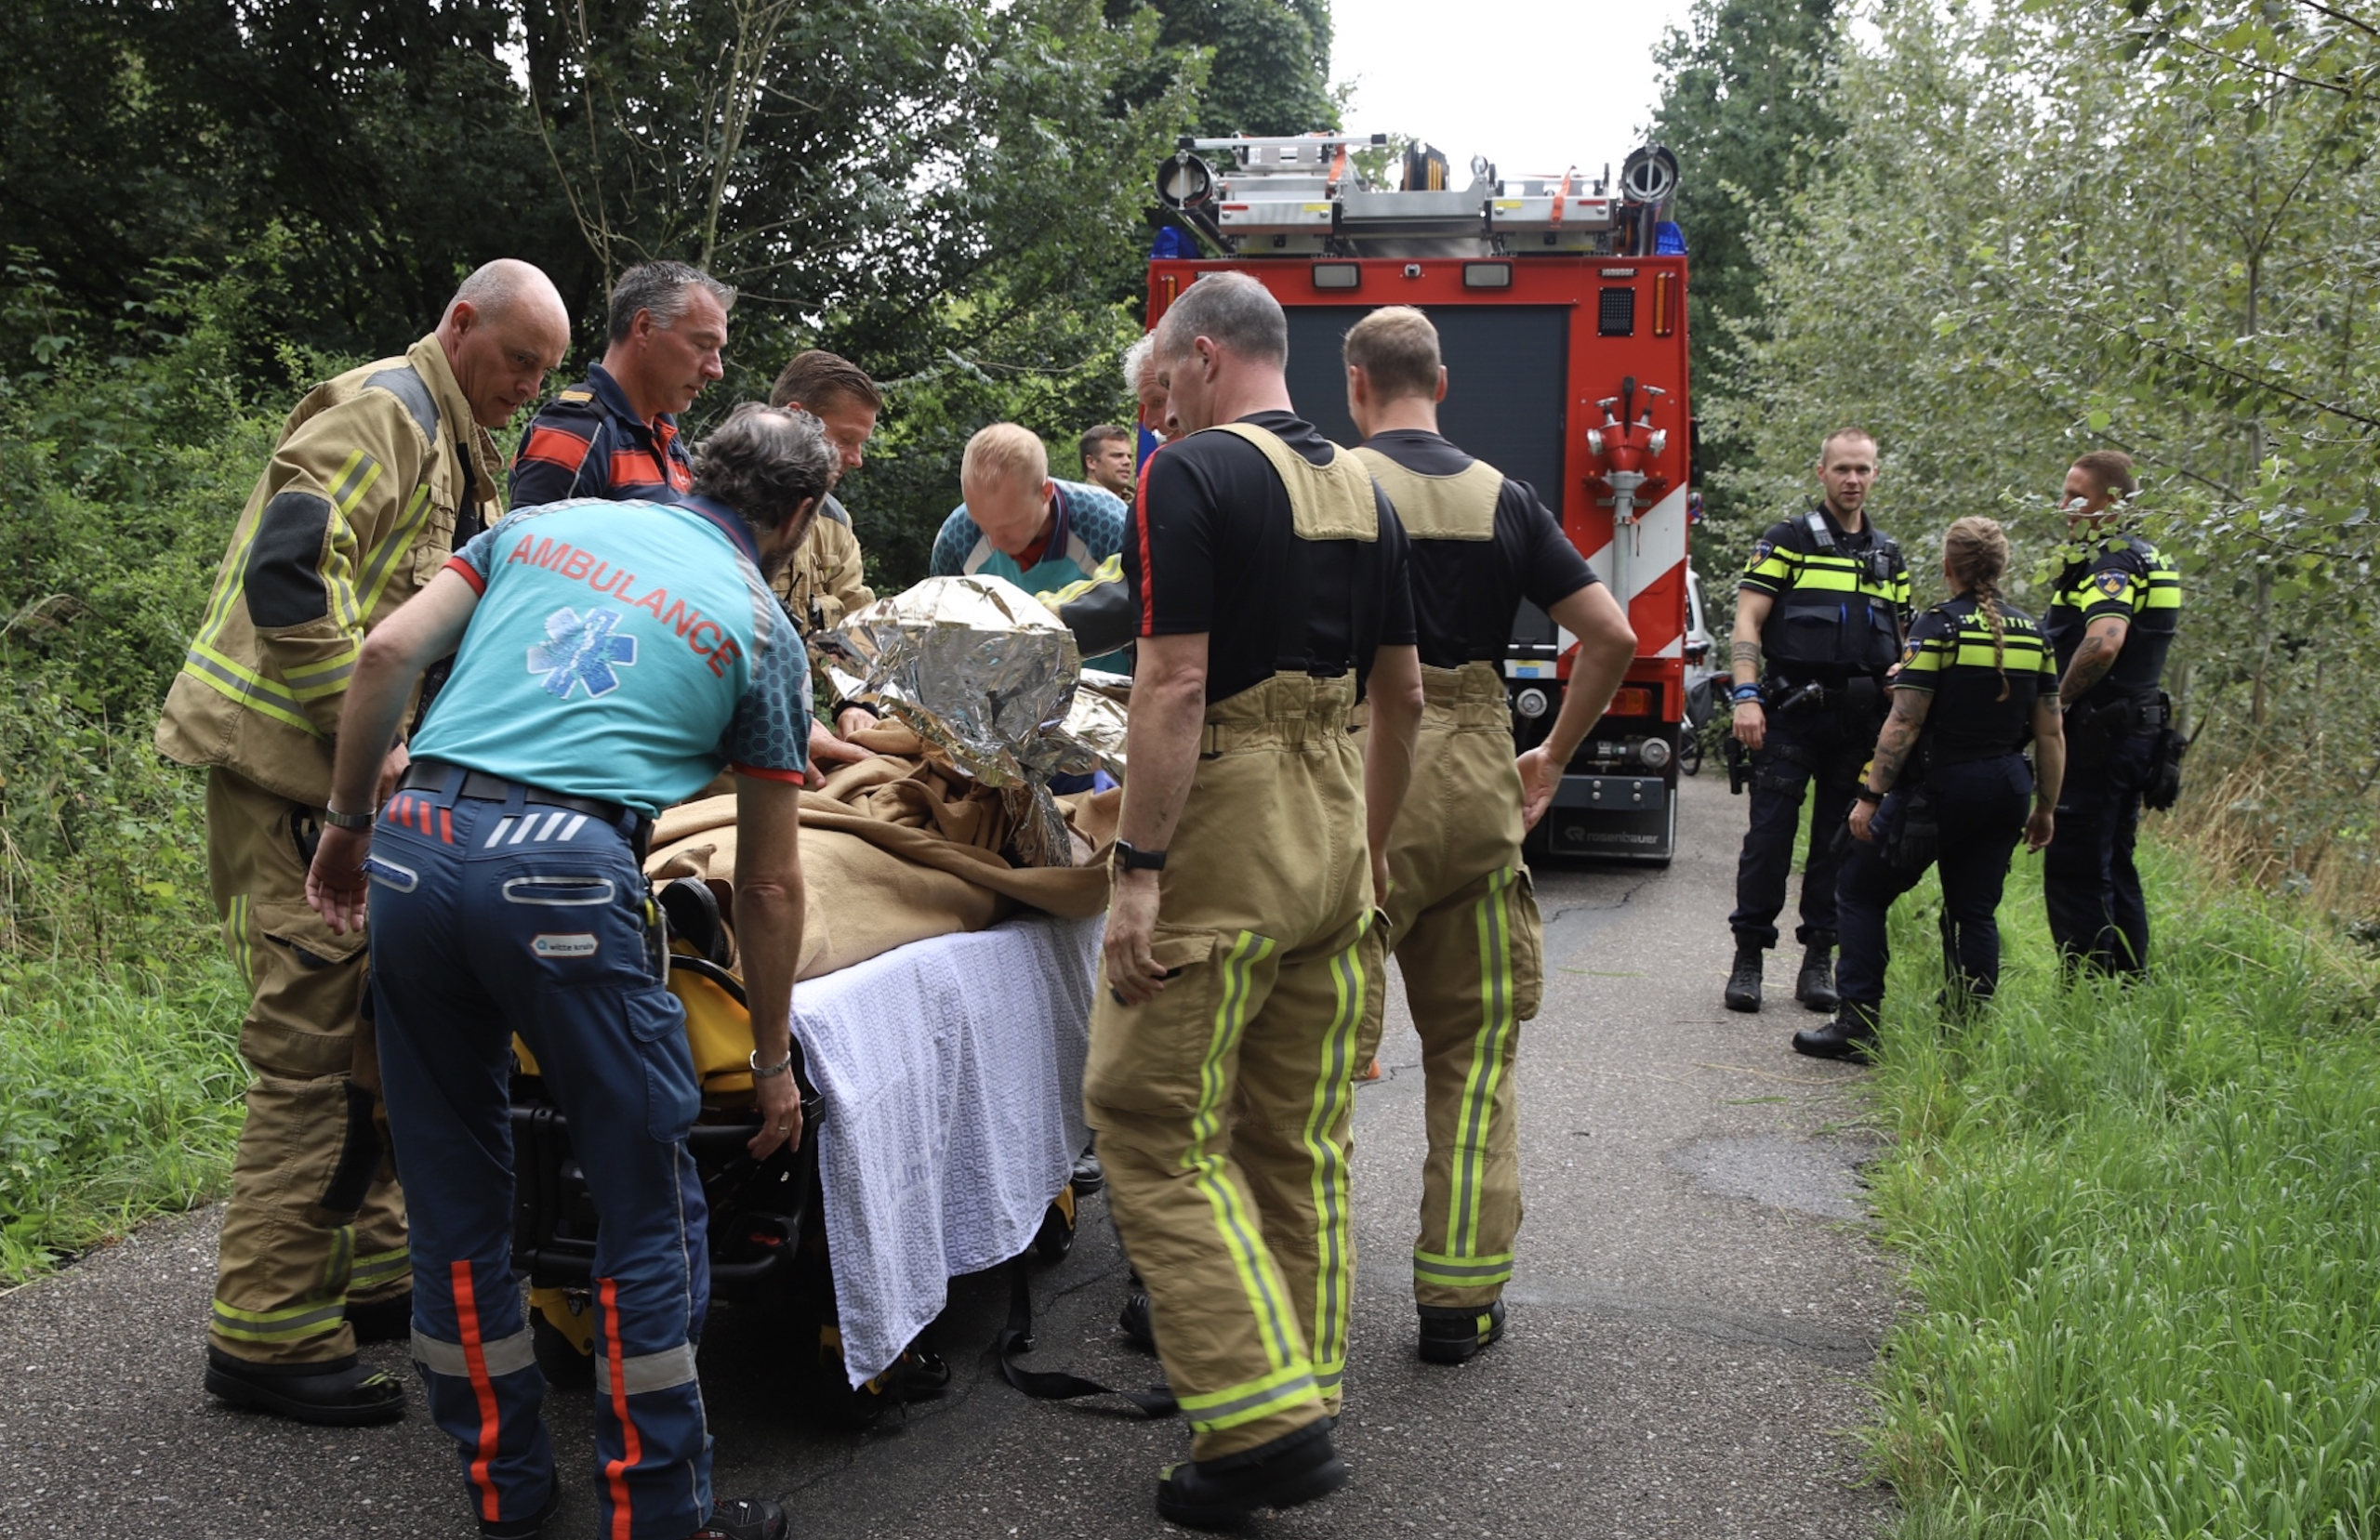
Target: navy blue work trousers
<point x="490" y="918"/>
<point x="1980" y="808"/>
<point x="2096" y="912"/>
<point x="1807" y="756"/>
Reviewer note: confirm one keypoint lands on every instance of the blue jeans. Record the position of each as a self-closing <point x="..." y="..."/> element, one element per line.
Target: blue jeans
<point x="1981" y="809"/>
<point x="2096" y="912"/>
<point x="490" y="918"/>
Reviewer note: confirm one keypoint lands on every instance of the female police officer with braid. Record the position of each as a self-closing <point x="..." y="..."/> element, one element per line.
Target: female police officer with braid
<point x="1948" y="782"/>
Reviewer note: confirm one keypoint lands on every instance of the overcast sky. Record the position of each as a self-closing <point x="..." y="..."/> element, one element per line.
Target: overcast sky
<point x="1532" y="85"/>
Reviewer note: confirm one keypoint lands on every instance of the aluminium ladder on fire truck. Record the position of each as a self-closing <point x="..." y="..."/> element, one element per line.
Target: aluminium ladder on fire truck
<point x="1560" y="306"/>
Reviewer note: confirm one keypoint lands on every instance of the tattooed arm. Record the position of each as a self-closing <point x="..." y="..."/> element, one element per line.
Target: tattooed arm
<point x="2093" y="658"/>
<point x="1894" y="745"/>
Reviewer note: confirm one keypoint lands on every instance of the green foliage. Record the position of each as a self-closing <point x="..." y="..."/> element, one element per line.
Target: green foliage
<point x="124" y="1099"/>
<point x="2139" y="1226"/>
<point x="2060" y="226"/>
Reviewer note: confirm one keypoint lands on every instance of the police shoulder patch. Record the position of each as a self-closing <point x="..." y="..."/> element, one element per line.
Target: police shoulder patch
<point x="1910" y="650"/>
<point x="2113" y="584"/>
<point x="1761" y="550"/>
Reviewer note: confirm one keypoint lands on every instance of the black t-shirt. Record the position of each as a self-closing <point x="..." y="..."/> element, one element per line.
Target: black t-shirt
<point x="2125" y="577"/>
<point x="1213" y="546"/>
<point x="1465" y="592"/>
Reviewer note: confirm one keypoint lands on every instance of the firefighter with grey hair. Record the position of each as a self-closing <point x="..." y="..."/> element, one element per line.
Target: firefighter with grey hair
<point x="1268" y="577"/>
<point x="615" y="433"/>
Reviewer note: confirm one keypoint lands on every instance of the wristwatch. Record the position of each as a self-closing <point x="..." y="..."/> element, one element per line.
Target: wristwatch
<point x="770" y="1072"/>
<point x="1128" y="859"/>
<point x="1869" y="793"/>
<point x="338" y="819"/>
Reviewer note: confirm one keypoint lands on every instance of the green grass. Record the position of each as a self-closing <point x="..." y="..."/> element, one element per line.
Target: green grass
<point x="121" y="1100"/>
<point x="2143" y="1232"/>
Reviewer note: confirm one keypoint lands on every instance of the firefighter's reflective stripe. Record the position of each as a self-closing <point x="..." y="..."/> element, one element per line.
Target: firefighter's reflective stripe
<point x="1240" y="1233"/>
<point x="227" y="676"/>
<point x="508" y="1355"/>
<point x="291" y="1324"/>
<point x="1496" y="1024"/>
<point x="1236" y="1404"/>
<point x="645" y="1372"/>
<point x="236" y="942"/>
<point x="379" y="1268"/>
<point x="381" y="564"/>
<point x="1334" y="1088"/>
<point x="1462" y="1272"/>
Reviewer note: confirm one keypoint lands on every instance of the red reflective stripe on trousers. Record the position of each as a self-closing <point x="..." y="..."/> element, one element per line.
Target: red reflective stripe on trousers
<point x="616" y="1471"/>
<point x="467" y="1316"/>
<point x="446" y="825"/>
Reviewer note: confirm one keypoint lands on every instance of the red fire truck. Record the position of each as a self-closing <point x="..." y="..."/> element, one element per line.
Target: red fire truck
<point x="1560" y="306"/>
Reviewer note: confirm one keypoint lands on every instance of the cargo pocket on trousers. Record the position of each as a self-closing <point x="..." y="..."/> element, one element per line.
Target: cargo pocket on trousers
<point x="671" y="1096"/>
<point x="1528" y="948"/>
<point x="1150" y="1059"/>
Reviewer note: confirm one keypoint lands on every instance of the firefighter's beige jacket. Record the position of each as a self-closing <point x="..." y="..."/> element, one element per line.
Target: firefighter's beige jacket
<point x="356" y="512"/>
<point x="821" y="586"/>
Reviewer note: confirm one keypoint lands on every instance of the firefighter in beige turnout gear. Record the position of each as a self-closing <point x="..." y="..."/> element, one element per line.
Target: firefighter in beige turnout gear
<point x="1460" y="916"/>
<point x="375" y="474"/>
<point x="1241" y="948"/>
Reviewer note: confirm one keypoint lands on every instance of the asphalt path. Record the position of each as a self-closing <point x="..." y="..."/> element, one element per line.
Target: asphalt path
<point x="1696" y="1306"/>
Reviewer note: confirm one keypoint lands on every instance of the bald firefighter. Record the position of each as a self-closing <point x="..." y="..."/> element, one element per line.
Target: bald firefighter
<point x="1460" y="916"/>
<point x="1268" y="574"/>
<point x="377" y="475"/>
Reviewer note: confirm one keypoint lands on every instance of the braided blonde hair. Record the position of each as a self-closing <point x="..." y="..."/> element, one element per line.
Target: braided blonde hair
<point x="1976" y="551"/>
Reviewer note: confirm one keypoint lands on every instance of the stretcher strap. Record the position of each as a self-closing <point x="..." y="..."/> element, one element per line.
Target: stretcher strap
<point x="1016" y="1339"/>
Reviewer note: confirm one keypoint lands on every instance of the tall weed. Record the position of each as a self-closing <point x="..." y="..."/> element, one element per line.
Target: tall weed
<point x="2141" y="1230"/>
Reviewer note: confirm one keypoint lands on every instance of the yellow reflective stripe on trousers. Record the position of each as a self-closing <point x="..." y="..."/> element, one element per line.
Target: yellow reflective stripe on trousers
<point x="1462" y="1272"/>
<point x="1486" y="1068"/>
<point x="1241" y="1238"/>
<point x="290" y="1324"/>
<point x="235" y="940"/>
<point x="379" y="1268"/>
<point x="1334" y="1232"/>
<point x="1249" y="1401"/>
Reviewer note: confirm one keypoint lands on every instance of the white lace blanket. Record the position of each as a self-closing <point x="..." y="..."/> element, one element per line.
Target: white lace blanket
<point x="951" y="1070"/>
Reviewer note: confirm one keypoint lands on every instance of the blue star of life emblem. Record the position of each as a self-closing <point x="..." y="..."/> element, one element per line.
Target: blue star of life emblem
<point x="581" y="650"/>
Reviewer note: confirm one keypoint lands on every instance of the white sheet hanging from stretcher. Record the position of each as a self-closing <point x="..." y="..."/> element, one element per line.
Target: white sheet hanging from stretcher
<point x="951" y="1071"/>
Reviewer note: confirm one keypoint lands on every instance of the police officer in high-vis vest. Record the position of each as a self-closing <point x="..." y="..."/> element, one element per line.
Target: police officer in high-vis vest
<point x="1461" y="918"/>
<point x="1948" y="783"/>
<point x="1269" y="576"/>
<point x="614" y="656"/>
<point x="2113" y="617"/>
<point x="376" y="476"/>
<point x="1020" y="523"/>
<point x="615" y="433"/>
<point x="1821" y="606"/>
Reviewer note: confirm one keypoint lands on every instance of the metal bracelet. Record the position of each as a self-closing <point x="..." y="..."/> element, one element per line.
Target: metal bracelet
<point x="773" y="1071"/>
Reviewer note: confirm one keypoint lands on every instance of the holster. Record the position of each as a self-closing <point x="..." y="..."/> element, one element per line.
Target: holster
<point x="1916" y="836"/>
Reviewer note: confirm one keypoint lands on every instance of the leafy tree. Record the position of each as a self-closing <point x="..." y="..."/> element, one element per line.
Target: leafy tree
<point x="1270" y="61"/>
<point x="1744" y="108"/>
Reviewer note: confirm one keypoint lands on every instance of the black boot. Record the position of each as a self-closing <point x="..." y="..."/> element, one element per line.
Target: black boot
<point x="1453" y="1336"/>
<point x="1850" y="1033"/>
<point x="389" y="1320"/>
<point x="743" y="1518"/>
<point x="1296" y="1468"/>
<point x="1134" y="1320"/>
<point x="335" y="1393"/>
<point x="1815" y="988"/>
<point x="1743" y="982"/>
